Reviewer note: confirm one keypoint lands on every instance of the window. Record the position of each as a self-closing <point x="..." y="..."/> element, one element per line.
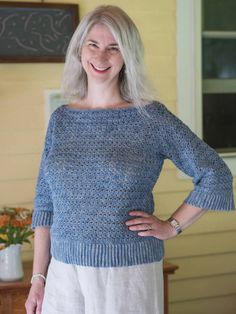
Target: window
<point x="219" y="74"/>
<point x="206" y="72"/>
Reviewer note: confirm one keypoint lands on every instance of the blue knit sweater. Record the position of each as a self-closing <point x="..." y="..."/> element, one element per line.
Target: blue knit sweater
<point x="99" y="164"/>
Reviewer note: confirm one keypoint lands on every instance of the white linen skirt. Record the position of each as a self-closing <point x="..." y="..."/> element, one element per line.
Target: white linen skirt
<point x="75" y="289"/>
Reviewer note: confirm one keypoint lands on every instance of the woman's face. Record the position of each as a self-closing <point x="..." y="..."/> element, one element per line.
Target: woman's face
<point x="100" y="56"/>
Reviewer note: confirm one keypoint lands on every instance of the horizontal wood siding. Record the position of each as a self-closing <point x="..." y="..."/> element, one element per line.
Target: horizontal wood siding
<point x="205" y="282"/>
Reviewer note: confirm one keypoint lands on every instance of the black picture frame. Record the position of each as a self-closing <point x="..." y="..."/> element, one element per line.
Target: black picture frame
<point x="36" y="32"/>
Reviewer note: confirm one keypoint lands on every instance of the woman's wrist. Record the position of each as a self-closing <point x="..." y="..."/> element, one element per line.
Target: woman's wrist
<point x="175" y="225"/>
<point x="38" y="277"/>
<point x="170" y="232"/>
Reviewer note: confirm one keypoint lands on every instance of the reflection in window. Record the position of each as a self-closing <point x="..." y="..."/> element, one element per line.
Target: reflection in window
<point x="219" y="74"/>
<point x="219" y="58"/>
<point x="219" y="121"/>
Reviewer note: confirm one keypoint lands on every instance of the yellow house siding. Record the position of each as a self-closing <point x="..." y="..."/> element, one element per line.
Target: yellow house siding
<point x="210" y="305"/>
<point x="206" y="253"/>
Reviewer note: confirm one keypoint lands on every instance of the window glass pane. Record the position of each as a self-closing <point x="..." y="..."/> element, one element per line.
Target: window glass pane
<point x="219" y="127"/>
<point x="219" y="15"/>
<point x="219" y="57"/>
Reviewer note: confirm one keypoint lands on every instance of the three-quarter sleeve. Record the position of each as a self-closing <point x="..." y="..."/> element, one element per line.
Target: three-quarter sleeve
<point x="212" y="179"/>
<point x="43" y="205"/>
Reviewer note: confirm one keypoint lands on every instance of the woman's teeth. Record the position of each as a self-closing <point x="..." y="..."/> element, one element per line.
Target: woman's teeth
<point x="99" y="68"/>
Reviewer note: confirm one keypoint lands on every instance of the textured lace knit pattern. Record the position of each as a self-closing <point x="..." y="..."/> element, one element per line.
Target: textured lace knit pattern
<point x="99" y="164"/>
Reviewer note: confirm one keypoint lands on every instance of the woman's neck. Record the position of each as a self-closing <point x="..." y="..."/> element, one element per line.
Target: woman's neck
<point x="99" y="97"/>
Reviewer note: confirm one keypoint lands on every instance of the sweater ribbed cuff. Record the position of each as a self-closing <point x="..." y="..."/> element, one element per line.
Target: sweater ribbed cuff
<point x="42" y="218"/>
<point x="211" y="201"/>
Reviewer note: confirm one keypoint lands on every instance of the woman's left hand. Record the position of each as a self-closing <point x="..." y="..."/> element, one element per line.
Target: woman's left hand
<point x="149" y="225"/>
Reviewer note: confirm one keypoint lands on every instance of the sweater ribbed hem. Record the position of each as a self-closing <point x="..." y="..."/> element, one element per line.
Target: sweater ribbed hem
<point x="108" y="255"/>
<point x="42" y="218"/>
<point x="211" y="201"/>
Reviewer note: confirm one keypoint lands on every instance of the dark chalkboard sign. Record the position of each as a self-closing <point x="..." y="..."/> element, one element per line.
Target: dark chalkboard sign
<point x="36" y="32"/>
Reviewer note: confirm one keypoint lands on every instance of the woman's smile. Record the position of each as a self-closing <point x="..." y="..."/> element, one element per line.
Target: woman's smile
<point x="100" y="69"/>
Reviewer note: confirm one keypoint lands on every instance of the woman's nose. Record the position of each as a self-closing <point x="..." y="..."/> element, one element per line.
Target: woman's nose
<point x="101" y="56"/>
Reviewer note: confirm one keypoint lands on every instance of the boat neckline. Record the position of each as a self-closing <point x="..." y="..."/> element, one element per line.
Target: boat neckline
<point x="118" y="109"/>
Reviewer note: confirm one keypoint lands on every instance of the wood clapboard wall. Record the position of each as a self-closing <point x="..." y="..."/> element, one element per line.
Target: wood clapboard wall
<point x="206" y="252"/>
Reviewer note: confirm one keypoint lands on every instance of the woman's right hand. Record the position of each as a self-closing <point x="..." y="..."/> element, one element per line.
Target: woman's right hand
<point x="34" y="301"/>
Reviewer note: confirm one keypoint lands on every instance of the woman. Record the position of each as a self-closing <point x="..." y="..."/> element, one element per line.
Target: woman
<point x="104" y="151"/>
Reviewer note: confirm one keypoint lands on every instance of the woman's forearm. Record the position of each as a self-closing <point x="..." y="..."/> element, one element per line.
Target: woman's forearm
<point x="42" y="242"/>
<point x="41" y="250"/>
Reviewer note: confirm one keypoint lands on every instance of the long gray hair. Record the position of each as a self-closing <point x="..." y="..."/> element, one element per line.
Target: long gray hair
<point x="133" y="82"/>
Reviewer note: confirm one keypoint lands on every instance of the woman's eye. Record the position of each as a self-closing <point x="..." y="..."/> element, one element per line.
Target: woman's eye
<point x="114" y="49"/>
<point x="93" y="45"/>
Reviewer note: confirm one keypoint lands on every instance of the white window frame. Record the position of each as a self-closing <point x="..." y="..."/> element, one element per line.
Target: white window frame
<point x="52" y="99"/>
<point x="189" y="77"/>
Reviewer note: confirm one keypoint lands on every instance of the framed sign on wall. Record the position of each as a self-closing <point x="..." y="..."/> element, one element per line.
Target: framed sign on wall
<point x="36" y="32"/>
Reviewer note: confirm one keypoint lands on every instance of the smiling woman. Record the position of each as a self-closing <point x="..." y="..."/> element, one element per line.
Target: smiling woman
<point x="94" y="204"/>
